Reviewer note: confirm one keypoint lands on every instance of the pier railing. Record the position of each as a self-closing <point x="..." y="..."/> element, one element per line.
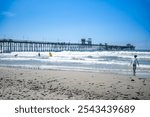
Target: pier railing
<point x="10" y="45"/>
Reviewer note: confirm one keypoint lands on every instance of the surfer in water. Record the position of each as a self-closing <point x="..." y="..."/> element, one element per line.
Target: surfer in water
<point x="39" y="54"/>
<point x="134" y="63"/>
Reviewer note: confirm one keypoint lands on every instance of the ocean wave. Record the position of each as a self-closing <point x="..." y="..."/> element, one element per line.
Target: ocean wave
<point x="96" y="54"/>
<point x="97" y="57"/>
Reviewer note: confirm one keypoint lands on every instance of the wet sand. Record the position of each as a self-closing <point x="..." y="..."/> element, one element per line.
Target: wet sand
<point x="35" y="84"/>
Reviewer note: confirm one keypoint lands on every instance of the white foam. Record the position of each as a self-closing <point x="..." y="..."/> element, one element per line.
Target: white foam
<point x="96" y="57"/>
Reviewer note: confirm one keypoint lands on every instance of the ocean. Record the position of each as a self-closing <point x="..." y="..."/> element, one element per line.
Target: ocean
<point x="96" y="61"/>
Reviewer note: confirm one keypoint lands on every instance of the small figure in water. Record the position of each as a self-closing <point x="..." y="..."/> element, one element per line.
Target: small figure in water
<point x="134" y="63"/>
<point x="38" y="54"/>
<point x="16" y="55"/>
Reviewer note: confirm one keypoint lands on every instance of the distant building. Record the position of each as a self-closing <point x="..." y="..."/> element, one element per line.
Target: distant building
<point x="89" y="41"/>
<point x="83" y="41"/>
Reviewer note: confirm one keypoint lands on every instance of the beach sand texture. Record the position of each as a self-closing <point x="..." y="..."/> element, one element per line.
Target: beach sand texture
<point x="35" y="84"/>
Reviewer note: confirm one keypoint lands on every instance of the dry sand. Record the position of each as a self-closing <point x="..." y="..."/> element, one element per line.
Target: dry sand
<point x="34" y="84"/>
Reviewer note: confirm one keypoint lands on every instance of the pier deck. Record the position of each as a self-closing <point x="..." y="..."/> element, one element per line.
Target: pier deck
<point x="10" y="45"/>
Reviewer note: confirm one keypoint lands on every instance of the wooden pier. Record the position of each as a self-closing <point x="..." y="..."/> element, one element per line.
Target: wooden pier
<point x="10" y="45"/>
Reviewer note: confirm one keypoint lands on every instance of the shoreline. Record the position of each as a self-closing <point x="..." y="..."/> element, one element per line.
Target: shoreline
<point x="127" y="73"/>
<point x="38" y="84"/>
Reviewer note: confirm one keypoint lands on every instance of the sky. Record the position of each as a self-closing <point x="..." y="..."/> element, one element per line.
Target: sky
<point x="115" y="22"/>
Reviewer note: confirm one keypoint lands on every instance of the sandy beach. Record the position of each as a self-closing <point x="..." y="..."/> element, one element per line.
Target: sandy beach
<point x="35" y="84"/>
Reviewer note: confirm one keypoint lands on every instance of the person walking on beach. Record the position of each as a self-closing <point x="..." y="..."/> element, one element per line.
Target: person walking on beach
<point x="134" y="63"/>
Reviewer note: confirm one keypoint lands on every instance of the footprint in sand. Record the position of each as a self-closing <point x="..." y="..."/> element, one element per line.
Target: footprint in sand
<point x="135" y="98"/>
<point x="139" y="93"/>
<point x="130" y="87"/>
<point x="102" y="85"/>
<point x="21" y="73"/>
<point x="144" y="81"/>
<point x="20" y="81"/>
<point x="91" y="83"/>
<point x="132" y="79"/>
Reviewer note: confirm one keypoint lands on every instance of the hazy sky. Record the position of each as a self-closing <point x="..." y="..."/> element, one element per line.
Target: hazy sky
<point x="105" y="21"/>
